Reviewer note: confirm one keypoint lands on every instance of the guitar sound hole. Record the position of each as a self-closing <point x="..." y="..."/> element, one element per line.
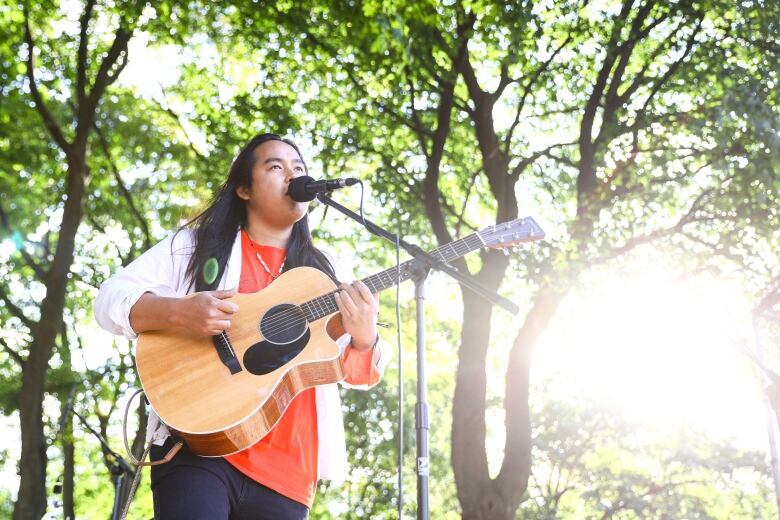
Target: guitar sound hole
<point x="283" y="324"/>
<point x="264" y="357"/>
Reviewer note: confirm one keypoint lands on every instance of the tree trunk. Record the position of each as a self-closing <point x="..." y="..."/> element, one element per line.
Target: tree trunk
<point x="481" y="497"/>
<point x="31" y="499"/>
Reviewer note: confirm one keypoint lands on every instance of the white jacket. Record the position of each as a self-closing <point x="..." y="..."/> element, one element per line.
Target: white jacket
<point x="162" y="270"/>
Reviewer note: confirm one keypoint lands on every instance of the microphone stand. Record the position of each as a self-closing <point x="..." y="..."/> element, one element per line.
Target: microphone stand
<point x="118" y="469"/>
<point x="422" y="264"/>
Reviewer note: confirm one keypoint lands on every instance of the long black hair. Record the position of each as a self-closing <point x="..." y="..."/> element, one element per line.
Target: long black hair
<point x="215" y="228"/>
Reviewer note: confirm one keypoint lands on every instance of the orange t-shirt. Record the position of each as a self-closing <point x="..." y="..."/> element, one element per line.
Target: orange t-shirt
<point x="285" y="460"/>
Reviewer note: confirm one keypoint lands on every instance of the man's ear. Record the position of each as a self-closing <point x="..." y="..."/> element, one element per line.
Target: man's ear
<point x="242" y="192"/>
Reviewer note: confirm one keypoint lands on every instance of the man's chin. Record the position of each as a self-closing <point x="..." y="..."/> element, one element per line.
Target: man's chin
<point x="300" y="209"/>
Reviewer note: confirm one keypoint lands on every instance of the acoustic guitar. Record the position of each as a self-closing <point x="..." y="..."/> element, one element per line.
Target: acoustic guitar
<point x="222" y="394"/>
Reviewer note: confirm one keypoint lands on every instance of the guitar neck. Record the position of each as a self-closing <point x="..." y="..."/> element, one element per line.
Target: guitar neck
<point x="326" y="304"/>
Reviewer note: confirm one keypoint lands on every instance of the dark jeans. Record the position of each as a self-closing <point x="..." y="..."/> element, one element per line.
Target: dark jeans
<point x="190" y="487"/>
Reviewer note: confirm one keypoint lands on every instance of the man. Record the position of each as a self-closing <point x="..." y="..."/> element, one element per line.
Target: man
<point x="250" y="233"/>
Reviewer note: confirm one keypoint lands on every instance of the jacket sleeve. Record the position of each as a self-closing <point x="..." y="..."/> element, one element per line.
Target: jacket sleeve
<point x="160" y="270"/>
<point x="362" y="370"/>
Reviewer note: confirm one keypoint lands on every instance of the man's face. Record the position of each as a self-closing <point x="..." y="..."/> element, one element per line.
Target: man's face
<point x="276" y="164"/>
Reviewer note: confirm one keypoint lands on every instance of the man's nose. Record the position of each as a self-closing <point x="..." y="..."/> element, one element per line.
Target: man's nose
<point x="292" y="173"/>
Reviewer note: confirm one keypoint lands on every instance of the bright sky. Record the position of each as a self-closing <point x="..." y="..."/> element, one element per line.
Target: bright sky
<point x="662" y="351"/>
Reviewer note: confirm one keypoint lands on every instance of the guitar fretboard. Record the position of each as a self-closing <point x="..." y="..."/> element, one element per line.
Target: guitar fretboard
<point x="324" y="305"/>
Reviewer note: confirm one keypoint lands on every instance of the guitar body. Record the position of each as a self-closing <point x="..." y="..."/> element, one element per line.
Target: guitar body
<point x="219" y="412"/>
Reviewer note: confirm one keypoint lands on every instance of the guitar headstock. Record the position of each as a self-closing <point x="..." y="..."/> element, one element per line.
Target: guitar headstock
<point x="508" y="234"/>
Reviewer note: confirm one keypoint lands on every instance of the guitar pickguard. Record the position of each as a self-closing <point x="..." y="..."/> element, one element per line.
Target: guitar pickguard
<point x="265" y="357"/>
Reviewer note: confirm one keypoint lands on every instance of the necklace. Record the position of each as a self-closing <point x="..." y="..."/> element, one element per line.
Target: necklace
<point x="265" y="266"/>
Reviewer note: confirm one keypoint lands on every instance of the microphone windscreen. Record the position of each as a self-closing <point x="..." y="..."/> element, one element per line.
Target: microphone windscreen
<point x="297" y="191"/>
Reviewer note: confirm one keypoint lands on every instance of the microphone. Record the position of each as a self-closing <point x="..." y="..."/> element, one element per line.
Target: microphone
<point x="305" y="189"/>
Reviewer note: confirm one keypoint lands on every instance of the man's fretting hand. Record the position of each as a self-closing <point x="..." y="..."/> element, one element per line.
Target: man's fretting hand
<point x="359" y="309"/>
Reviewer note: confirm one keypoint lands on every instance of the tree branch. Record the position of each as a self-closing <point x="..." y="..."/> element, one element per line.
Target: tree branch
<point x="122" y="188"/>
<point x="124" y="258"/>
<point x="48" y="120"/>
<point x="431" y="190"/>
<point x="633" y="242"/>
<point x="39" y="271"/>
<point x="503" y="81"/>
<point x="673" y="68"/>
<point x="719" y="250"/>
<point x="103" y="79"/>
<point x="459" y="216"/>
<point x="417" y="124"/>
<point x="562" y="160"/>
<point x="14" y="309"/>
<point x="81" y="74"/>
<point x="529" y="85"/>
<point x="472" y="182"/>
<point x="166" y="109"/>
<point x="612" y="101"/>
<point x="11" y="352"/>
<point x="336" y="55"/>
<point x="526" y="161"/>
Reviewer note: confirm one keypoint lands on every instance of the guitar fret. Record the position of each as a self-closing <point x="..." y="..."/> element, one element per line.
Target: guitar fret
<point x="454" y="251"/>
<point x="326" y="304"/>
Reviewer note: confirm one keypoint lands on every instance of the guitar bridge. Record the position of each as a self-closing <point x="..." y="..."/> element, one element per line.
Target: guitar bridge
<point x="226" y="353"/>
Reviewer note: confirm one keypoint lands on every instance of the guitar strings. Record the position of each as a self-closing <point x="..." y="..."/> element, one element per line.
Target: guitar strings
<point x="290" y="317"/>
<point x="321" y="303"/>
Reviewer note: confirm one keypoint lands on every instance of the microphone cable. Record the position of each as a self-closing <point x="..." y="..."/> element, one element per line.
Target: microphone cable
<point x="400" y="354"/>
<point x="400" y="371"/>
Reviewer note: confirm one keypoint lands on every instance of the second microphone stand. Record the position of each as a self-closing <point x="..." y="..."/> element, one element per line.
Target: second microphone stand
<point x="119" y="469"/>
<point x="420" y="269"/>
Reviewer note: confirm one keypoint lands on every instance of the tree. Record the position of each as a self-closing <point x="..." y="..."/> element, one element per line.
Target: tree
<point x="615" y="120"/>
<point x="618" y="124"/>
<point x="591" y="463"/>
<point x="43" y="332"/>
<point x="56" y="107"/>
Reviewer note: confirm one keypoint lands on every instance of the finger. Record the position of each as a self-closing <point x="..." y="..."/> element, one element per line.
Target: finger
<point x="341" y="299"/>
<point x="337" y="297"/>
<point x="226" y="306"/>
<point x="364" y="292"/>
<point x="219" y="326"/>
<point x="219" y="316"/>
<point x="225" y="293"/>
<point x="347" y="302"/>
<point x="353" y="293"/>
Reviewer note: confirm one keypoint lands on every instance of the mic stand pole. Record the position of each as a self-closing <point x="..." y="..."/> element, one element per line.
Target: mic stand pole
<point x="421" y="267"/>
<point x="421" y="408"/>
<point x="118" y="469"/>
